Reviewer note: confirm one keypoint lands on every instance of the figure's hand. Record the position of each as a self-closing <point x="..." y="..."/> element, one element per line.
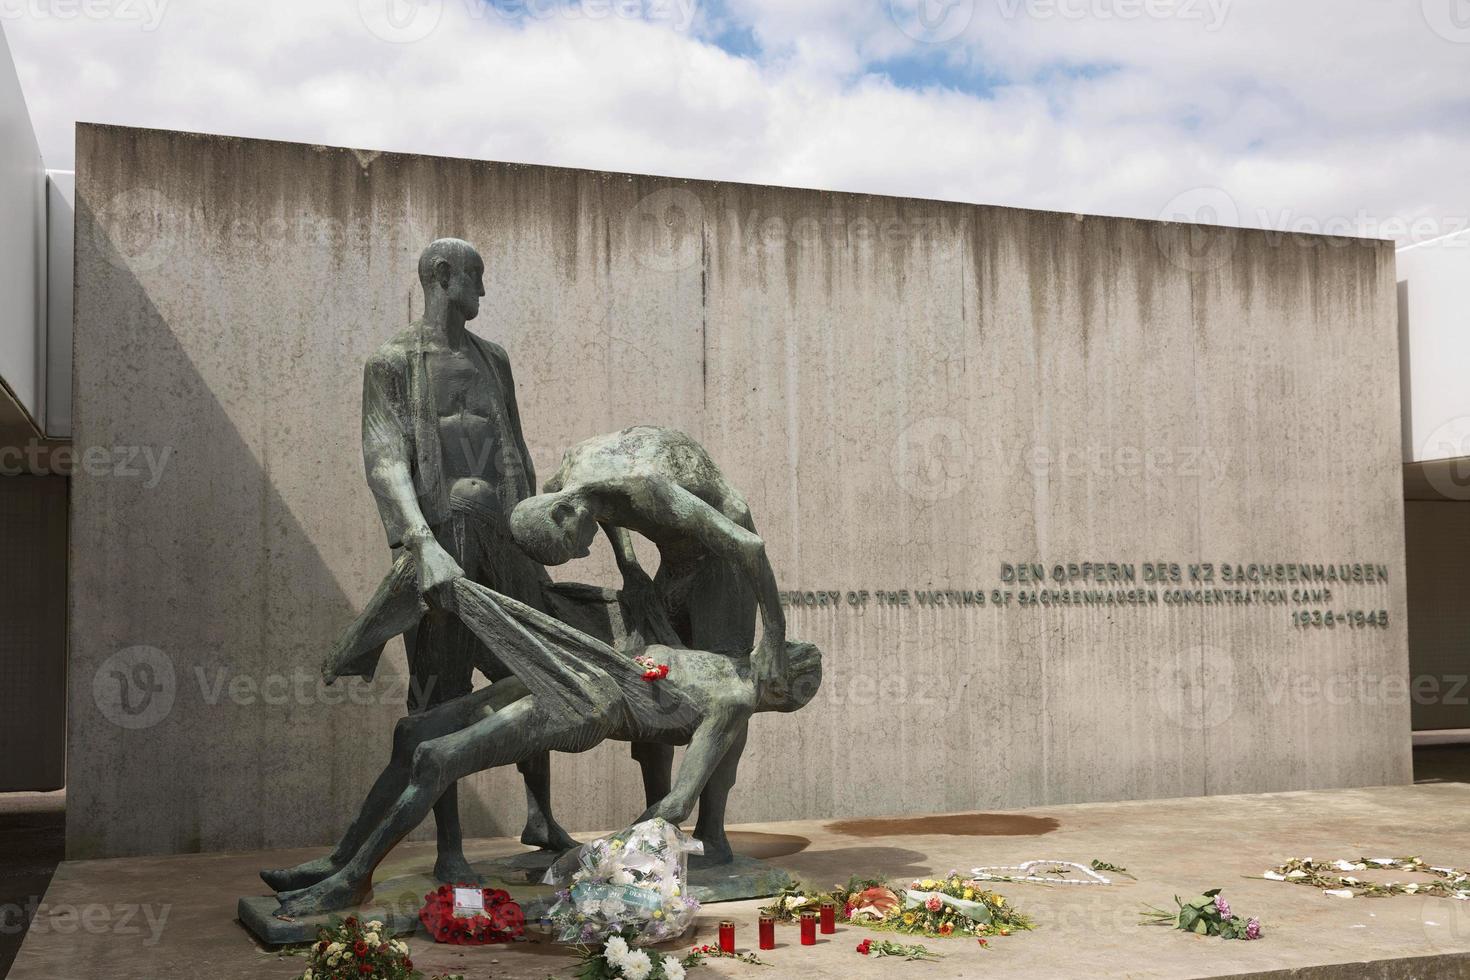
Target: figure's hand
<point x="435" y="568"/>
<point x="768" y="662"/>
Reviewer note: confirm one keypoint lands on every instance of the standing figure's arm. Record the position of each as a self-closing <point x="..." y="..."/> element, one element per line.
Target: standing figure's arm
<point x="513" y="412"/>
<point x="386" y="457"/>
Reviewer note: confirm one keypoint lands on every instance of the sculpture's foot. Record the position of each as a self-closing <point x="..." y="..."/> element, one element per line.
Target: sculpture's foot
<point x="717" y="849"/>
<point x="329" y="895"/>
<point x="547" y="835"/>
<point x="299" y="877"/>
<point x="454" y="869"/>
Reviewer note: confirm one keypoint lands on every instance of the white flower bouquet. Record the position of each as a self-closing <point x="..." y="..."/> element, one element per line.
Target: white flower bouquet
<point x="633" y="884"/>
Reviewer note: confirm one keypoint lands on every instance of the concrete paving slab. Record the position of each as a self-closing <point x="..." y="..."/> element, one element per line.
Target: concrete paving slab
<point x="150" y="918"/>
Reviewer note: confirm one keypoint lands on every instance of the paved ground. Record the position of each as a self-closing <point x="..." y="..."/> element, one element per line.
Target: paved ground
<point x="132" y="919"/>
<point x="32" y="843"/>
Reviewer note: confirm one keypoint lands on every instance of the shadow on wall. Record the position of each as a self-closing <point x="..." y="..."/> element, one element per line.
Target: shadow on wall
<point x="176" y="500"/>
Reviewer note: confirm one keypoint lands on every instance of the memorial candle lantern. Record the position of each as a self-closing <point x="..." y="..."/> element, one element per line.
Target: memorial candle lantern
<point x="829" y="918"/>
<point x="727" y="937"/>
<point x="808" y="929"/>
<point x="768" y="932"/>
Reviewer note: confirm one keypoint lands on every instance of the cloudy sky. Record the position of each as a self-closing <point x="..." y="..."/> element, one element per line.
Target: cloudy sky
<point x="1350" y="116"/>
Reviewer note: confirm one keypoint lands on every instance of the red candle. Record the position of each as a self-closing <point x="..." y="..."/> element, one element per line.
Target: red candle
<point x="768" y="932"/>
<point x="829" y="918"/>
<point x="727" y="937"/>
<point x="808" y="929"/>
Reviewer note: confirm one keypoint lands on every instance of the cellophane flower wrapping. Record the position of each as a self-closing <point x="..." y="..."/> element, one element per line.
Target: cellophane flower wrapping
<point x="633" y="884"/>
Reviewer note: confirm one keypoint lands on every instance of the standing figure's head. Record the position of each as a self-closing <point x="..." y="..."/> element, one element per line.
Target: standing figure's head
<point x="453" y="270"/>
<point x="553" y="528"/>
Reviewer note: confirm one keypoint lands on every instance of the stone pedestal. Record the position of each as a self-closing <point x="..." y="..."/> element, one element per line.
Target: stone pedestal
<point x="397" y="900"/>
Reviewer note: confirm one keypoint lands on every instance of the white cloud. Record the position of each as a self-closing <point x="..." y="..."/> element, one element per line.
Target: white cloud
<point x="1305" y="112"/>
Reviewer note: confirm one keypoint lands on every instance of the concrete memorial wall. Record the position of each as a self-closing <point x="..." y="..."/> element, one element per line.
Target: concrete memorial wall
<point x="1078" y="508"/>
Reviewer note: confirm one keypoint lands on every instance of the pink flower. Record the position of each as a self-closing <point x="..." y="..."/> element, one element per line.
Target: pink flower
<point x="1223" y="907"/>
<point x="1253" y="929"/>
<point x="933" y="904"/>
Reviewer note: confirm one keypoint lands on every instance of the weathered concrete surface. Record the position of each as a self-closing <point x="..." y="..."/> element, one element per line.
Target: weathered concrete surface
<point x="1173" y="847"/>
<point x="909" y="393"/>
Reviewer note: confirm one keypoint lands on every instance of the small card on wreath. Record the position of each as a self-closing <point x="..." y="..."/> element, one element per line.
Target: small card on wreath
<point x="468" y="902"/>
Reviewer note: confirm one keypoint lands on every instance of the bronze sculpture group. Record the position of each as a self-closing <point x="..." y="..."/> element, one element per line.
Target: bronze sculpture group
<point x="455" y="486"/>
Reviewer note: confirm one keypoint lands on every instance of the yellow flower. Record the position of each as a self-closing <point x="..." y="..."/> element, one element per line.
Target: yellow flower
<point x="969" y="894"/>
<point x="930" y="884"/>
<point x="908" y="918"/>
<point x="954" y="883"/>
<point x="1000" y="900"/>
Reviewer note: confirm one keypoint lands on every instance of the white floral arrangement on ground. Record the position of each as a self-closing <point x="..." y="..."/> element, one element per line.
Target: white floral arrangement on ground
<point x="633" y="885"/>
<point x="1339" y="879"/>
<point x="617" y="960"/>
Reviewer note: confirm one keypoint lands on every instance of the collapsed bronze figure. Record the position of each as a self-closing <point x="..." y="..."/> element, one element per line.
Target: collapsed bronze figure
<point x="571" y="692"/>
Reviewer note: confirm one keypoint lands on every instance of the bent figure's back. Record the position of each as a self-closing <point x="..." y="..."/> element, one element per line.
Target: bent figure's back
<point x="649" y="450"/>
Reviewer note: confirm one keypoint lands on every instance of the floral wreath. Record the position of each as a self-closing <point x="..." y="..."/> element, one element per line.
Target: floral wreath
<point x="502" y="922"/>
<point x="1336" y="878"/>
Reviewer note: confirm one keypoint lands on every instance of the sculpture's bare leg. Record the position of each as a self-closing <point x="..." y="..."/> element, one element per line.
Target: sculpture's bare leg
<point x="721" y="728"/>
<point x="657" y="763"/>
<point x="510" y="735"/>
<point x="440" y="658"/>
<point x="711" y="826"/>
<point x="541" y="828"/>
<point x="410" y="732"/>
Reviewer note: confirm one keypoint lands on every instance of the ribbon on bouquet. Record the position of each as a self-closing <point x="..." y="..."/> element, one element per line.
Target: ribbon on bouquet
<point x="974" y="911"/>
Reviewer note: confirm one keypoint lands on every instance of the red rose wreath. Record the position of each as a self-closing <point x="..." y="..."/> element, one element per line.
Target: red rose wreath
<point x="503" y="919"/>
